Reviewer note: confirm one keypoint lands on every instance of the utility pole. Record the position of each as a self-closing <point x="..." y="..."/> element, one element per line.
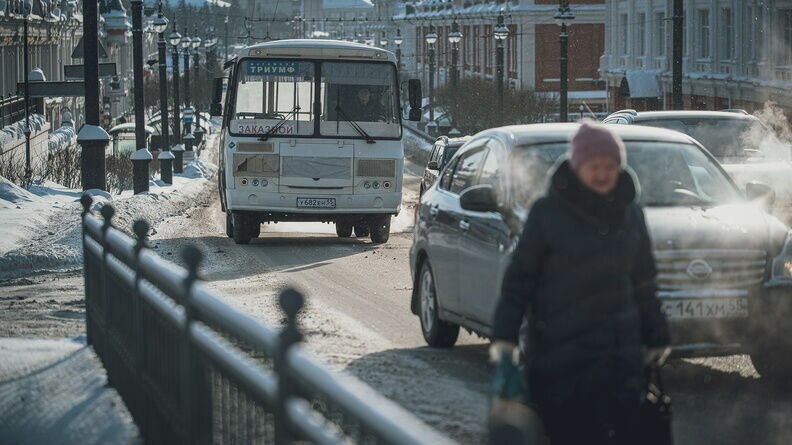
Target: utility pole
<point x="225" y="56"/>
<point x="679" y="17"/>
<point x="163" y="78"/>
<point x="175" y="41"/>
<point x="563" y="17"/>
<point x="92" y="138"/>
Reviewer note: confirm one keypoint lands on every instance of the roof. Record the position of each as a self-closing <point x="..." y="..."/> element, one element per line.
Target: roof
<point x="317" y="48"/>
<point x="691" y="114"/>
<point x="531" y="134"/>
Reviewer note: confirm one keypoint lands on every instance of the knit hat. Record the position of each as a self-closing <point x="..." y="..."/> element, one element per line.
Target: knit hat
<point x="592" y="140"/>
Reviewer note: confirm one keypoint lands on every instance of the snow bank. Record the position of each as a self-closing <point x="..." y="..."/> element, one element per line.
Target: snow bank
<point x="41" y="226"/>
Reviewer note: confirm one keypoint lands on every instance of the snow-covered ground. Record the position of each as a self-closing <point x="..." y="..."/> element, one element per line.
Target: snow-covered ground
<point x="40" y="226"/>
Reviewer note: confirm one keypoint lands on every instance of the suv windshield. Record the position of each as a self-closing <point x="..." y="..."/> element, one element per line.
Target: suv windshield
<point x="669" y="174"/>
<point x="724" y="138"/>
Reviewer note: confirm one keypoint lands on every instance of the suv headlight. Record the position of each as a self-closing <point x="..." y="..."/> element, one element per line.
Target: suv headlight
<point x="782" y="264"/>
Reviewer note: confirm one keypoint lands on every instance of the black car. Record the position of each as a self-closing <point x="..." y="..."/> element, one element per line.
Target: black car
<point x="724" y="264"/>
<point x="442" y="151"/>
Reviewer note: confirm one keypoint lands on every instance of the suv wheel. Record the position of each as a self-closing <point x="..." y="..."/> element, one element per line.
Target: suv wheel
<point x="380" y="229"/>
<point x="343" y="230"/>
<point x="242" y="231"/>
<point x="436" y="332"/>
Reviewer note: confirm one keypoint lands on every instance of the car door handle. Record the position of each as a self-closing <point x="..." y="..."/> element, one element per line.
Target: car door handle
<point x="464" y="225"/>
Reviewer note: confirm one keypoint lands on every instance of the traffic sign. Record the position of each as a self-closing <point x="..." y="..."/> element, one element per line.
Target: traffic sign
<point x="188" y="113"/>
<point x="53" y="89"/>
<point x="77" y="72"/>
<point x="78" y="52"/>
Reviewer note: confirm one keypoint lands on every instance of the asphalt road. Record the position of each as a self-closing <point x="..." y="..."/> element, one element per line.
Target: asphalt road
<point x="358" y="319"/>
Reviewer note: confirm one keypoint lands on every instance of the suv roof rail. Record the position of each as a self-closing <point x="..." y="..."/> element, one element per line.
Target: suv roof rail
<point x="735" y="110"/>
<point x="627" y="111"/>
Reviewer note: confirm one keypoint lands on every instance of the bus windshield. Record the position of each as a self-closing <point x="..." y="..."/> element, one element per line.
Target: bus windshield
<point x="359" y="93"/>
<point x="277" y="97"/>
<point x="270" y="92"/>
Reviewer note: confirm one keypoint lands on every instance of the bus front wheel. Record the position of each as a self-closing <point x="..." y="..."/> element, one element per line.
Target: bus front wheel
<point x="380" y="229"/>
<point x="242" y="230"/>
<point x="343" y="230"/>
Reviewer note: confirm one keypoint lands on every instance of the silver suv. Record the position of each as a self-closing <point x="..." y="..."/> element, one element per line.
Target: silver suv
<point x="724" y="264"/>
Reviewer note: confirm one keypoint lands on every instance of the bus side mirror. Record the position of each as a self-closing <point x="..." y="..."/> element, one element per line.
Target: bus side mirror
<point x="414" y="93"/>
<point x="216" y="109"/>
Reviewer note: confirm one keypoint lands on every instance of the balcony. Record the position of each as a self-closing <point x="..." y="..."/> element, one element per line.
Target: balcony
<point x="703" y="65"/>
<point x="659" y="63"/>
<point x="726" y="67"/>
<point x="783" y="73"/>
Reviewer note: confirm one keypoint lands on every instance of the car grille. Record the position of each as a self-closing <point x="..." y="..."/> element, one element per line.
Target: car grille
<point x="722" y="269"/>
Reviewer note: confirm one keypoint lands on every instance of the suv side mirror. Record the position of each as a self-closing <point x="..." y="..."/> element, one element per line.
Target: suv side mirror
<point x="479" y="198"/>
<point x="433" y="165"/>
<point x="216" y="109"/>
<point x="756" y="191"/>
<point x="415" y="96"/>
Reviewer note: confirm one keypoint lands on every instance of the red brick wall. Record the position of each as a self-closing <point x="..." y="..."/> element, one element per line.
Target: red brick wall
<point x="586" y="45"/>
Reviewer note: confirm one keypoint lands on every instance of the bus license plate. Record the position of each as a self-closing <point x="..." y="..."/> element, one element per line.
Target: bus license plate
<point x="317" y="203"/>
<point x="736" y="307"/>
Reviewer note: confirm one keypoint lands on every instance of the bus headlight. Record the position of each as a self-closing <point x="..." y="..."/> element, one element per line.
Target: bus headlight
<point x="376" y="185"/>
<point x="782" y="264"/>
<point x="243" y="181"/>
<point x="255" y="183"/>
<point x="386" y="184"/>
<point x="366" y="185"/>
<point x="264" y="183"/>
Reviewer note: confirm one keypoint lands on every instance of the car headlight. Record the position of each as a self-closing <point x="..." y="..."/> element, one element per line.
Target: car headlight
<point x="782" y="264"/>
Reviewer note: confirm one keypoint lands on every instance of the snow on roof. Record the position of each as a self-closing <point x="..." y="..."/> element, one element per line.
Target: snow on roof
<point x="347" y="4"/>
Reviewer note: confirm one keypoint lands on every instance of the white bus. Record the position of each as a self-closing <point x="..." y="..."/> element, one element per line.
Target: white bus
<point x="312" y="132"/>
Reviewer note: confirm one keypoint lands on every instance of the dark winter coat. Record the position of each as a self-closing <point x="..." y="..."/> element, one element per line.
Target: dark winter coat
<point x="584" y="268"/>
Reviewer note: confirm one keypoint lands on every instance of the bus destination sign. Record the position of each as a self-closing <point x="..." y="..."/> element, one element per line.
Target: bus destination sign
<point x="271" y="68"/>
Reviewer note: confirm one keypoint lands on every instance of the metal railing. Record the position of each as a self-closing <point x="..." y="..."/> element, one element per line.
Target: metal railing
<point x="193" y="370"/>
<point x="12" y="109"/>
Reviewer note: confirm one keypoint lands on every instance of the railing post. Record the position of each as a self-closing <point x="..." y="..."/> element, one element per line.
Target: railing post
<point x="291" y="302"/>
<point x="87" y="201"/>
<point x="107" y="213"/>
<point x="141" y="229"/>
<point x="196" y="392"/>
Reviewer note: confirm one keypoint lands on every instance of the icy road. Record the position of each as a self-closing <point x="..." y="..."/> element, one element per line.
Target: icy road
<point x="358" y="319"/>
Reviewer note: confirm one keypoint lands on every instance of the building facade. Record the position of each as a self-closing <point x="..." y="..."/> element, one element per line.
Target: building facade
<point x="737" y="54"/>
<point x="531" y="50"/>
<point x="54" y="29"/>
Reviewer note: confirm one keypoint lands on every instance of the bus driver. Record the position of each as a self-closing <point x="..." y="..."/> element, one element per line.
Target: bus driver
<point x="366" y="109"/>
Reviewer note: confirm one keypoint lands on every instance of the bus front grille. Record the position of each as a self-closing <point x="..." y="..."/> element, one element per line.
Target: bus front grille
<point x="376" y="168"/>
<point x="316" y="167"/>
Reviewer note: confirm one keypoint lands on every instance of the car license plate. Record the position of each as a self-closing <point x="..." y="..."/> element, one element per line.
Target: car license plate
<point x="736" y="307"/>
<point x="316" y="203"/>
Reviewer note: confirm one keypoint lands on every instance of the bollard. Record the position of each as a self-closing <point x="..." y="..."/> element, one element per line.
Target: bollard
<point x="189" y="140"/>
<point x="93" y="142"/>
<point x="166" y="166"/>
<point x="140" y="170"/>
<point x="199" y="136"/>
<point x="178" y="159"/>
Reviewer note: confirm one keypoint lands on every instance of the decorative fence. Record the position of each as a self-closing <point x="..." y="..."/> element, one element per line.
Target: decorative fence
<point x="192" y="370"/>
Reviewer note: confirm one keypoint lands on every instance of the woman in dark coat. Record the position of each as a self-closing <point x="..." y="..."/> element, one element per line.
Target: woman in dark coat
<point x="585" y="273"/>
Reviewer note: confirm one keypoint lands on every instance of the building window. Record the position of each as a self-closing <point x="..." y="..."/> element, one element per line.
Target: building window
<point x="625" y="33"/>
<point x="512" y="51"/>
<point x="475" y="46"/>
<point x="703" y="34"/>
<point x="727" y="27"/>
<point x="660" y="34"/>
<point x="488" y="52"/>
<point x="640" y="40"/>
<point x="786" y="29"/>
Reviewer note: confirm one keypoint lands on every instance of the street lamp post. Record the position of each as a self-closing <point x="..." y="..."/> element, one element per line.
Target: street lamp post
<point x="196" y="43"/>
<point x="186" y="44"/>
<point x="92" y="138"/>
<point x="431" y="39"/>
<point x="178" y="150"/>
<point x="454" y="37"/>
<point x="141" y="157"/>
<point x="500" y="33"/>
<point x="165" y="157"/>
<point x="563" y="17"/>
<point x="383" y="41"/>
<point x="26" y="63"/>
<point x="398" y="41"/>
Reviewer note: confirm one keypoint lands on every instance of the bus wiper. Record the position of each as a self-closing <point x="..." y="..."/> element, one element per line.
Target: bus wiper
<point x="275" y="128"/>
<point x="355" y="125"/>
